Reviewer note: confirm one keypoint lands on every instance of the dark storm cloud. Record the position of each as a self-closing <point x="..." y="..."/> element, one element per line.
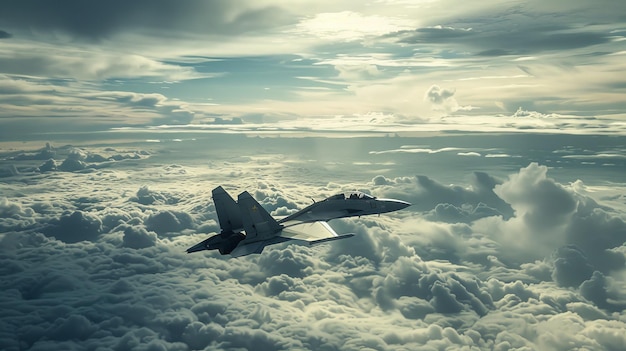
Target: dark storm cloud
<point x="597" y="231"/>
<point x="596" y="290"/>
<point x="98" y="20"/>
<point x="513" y="31"/>
<point x="571" y="267"/>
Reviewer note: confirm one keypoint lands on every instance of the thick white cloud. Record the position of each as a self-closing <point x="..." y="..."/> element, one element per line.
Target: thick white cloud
<point x="112" y="272"/>
<point x="348" y="25"/>
<point x="543" y="210"/>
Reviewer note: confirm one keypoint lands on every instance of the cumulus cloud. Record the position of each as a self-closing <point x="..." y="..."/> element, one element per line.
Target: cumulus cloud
<point x="48" y="166"/>
<point x="14" y="216"/>
<point x="437" y="95"/>
<point x="526" y="217"/>
<point x="559" y="213"/>
<point x="164" y="222"/>
<point x="76" y="226"/>
<point x="521" y="113"/>
<point x="571" y="267"/>
<point x="138" y="238"/>
<point x="74" y="161"/>
<point x="442" y="99"/>
<point x="146" y="196"/>
<point x="291" y="262"/>
<point x="538" y="200"/>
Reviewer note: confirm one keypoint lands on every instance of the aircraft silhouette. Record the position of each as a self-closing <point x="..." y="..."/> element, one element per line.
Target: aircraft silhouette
<point x="247" y="227"/>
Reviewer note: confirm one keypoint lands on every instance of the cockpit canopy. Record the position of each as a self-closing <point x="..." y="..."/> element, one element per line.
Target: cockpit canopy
<point x="352" y="195"/>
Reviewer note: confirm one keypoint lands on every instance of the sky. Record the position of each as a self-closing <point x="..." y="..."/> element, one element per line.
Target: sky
<point x="502" y="122"/>
<point x="164" y="62"/>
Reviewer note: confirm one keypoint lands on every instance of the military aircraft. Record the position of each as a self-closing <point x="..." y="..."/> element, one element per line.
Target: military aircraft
<point x="247" y="227"/>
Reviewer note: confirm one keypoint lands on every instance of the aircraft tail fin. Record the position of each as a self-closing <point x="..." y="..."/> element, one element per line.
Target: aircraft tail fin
<point x="257" y="222"/>
<point x="227" y="211"/>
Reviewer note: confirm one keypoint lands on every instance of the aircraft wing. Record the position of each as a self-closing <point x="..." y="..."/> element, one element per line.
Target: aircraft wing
<point x="310" y="232"/>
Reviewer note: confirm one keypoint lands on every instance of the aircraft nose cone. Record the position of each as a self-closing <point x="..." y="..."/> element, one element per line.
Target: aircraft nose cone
<point x="396" y="205"/>
<point x="400" y="205"/>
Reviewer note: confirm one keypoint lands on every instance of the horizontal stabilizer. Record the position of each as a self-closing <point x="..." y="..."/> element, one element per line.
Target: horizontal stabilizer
<point x="243" y="250"/>
<point x="256" y="247"/>
<point x="203" y="245"/>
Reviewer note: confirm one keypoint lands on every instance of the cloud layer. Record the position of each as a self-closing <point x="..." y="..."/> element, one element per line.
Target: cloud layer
<point x="94" y="258"/>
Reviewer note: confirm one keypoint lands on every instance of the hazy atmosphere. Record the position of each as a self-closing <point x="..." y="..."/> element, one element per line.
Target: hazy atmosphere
<point x="502" y="122"/>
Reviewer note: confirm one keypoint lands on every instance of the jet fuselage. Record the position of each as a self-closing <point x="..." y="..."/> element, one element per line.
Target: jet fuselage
<point x="346" y="205"/>
<point x="247" y="228"/>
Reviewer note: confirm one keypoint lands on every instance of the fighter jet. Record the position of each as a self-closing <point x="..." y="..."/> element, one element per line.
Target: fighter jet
<point x="248" y="228"/>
